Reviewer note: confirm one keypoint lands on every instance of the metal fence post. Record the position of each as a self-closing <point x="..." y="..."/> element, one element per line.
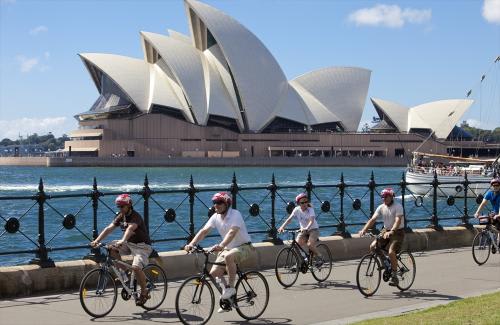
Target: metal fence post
<point x="465" y="217"/>
<point x="95" y="253"/>
<point x="191" y="192"/>
<point x="309" y="186"/>
<point x="146" y="193"/>
<point x="272" y="234"/>
<point x="402" y="183"/>
<point x="341" y="228"/>
<point x="234" y="191"/>
<point x="434" y="219"/>
<point x="371" y="186"/>
<point x="41" y="256"/>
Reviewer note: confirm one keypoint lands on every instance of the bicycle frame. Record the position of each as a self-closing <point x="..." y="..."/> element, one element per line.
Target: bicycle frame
<point x="295" y="245"/>
<point x="112" y="263"/>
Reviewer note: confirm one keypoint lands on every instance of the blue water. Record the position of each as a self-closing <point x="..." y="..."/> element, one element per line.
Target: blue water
<point x="23" y="181"/>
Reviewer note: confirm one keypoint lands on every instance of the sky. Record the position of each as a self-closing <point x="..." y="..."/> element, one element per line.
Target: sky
<point x="418" y="51"/>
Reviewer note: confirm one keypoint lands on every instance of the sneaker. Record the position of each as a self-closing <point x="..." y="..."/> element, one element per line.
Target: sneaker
<point x="222" y="310"/>
<point x="394" y="280"/>
<point x="228" y="293"/>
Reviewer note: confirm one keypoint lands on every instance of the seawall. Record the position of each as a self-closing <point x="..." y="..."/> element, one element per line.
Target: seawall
<point x="29" y="280"/>
<point x="204" y="162"/>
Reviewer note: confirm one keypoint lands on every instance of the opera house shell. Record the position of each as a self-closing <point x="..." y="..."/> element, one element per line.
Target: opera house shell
<point x="220" y="93"/>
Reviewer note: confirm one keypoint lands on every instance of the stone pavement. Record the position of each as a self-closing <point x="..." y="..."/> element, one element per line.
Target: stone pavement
<point x="442" y="276"/>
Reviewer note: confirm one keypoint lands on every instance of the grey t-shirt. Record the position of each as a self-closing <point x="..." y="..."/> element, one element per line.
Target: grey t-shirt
<point x="389" y="214"/>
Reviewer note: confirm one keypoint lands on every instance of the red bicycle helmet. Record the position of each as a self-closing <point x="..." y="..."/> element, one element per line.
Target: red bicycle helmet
<point x="123" y="199"/>
<point x="222" y="196"/>
<point x="300" y="196"/>
<point x="387" y="192"/>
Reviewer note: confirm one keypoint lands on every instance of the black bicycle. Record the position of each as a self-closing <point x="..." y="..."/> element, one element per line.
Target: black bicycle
<point x="195" y="300"/>
<point x="98" y="289"/>
<point x="294" y="259"/>
<point x="376" y="265"/>
<point x="486" y="241"/>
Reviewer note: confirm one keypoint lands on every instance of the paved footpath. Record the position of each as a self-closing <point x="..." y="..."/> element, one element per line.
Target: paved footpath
<point x="442" y="276"/>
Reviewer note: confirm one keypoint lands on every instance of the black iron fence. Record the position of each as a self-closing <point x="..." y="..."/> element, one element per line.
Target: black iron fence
<point x="175" y="215"/>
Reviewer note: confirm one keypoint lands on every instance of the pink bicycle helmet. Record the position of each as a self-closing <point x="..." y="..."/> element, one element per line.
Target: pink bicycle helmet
<point x="123" y="199"/>
<point x="387" y="192"/>
<point x="222" y="196"/>
<point x="300" y="197"/>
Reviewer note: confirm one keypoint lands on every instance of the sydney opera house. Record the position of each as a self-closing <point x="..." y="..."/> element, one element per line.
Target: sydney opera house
<point x="220" y="93"/>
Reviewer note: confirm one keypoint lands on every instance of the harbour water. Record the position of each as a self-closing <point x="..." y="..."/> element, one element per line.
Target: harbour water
<point x="23" y="181"/>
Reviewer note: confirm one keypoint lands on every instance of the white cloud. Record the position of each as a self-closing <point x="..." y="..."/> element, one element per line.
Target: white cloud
<point x="39" y="29"/>
<point x="491" y="11"/>
<point x="27" y="64"/>
<point x="6" y="2"/>
<point x="474" y="123"/>
<point x="391" y="16"/>
<point x="57" y="125"/>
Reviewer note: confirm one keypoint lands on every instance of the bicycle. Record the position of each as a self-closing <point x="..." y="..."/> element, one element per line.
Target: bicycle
<point x="371" y="265"/>
<point x="485" y="242"/>
<point x="195" y="300"/>
<point x="292" y="259"/>
<point x="98" y="289"/>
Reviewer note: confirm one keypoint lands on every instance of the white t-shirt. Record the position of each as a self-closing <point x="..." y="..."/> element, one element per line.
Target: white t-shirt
<point x="233" y="219"/>
<point x="304" y="217"/>
<point x="389" y="213"/>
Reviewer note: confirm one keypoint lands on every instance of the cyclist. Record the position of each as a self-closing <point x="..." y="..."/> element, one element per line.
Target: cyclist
<point x="235" y="247"/>
<point x="492" y="196"/>
<point x="393" y="232"/>
<point x="309" y="229"/>
<point x="135" y="241"/>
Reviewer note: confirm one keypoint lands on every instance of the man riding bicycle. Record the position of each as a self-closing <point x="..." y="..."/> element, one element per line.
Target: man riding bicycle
<point x="309" y="229"/>
<point x="492" y="196"/>
<point x="235" y="246"/>
<point x="135" y="241"/>
<point x="393" y="232"/>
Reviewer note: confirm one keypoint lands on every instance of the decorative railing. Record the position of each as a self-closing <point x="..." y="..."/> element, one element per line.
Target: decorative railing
<point x="175" y="215"/>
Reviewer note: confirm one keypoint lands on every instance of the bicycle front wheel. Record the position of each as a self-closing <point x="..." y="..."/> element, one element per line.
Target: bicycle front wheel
<point x="481" y="247"/>
<point x="98" y="293"/>
<point x="368" y="275"/>
<point x="406" y="270"/>
<point x="194" y="303"/>
<point x="252" y="295"/>
<point x="287" y="267"/>
<point x="322" y="266"/>
<point x="156" y="282"/>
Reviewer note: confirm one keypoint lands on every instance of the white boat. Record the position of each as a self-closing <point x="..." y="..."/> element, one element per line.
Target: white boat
<point x="479" y="174"/>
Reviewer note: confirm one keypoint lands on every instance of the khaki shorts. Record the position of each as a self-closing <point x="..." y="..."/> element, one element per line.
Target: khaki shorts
<point x="139" y="251"/>
<point x="240" y="253"/>
<point x="394" y="242"/>
<point x="311" y="234"/>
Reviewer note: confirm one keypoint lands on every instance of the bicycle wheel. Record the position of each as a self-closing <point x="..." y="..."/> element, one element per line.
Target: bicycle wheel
<point x="252" y="295"/>
<point x="322" y="266"/>
<point x="194" y="303"/>
<point x="98" y="293"/>
<point x="368" y="275"/>
<point x="287" y="267"/>
<point x="481" y="247"/>
<point x="406" y="270"/>
<point x="156" y="282"/>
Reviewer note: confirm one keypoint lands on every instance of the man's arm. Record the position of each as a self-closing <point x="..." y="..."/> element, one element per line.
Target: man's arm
<point x="287" y="221"/>
<point x="109" y="229"/>
<point x="229" y="237"/>
<point x="480" y="207"/>
<point x="370" y="222"/>
<point x="127" y="234"/>
<point x="197" y="238"/>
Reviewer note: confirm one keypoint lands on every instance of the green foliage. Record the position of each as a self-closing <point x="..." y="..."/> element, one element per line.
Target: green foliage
<point x="480" y="134"/>
<point x="476" y="310"/>
<point x="46" y="142"/>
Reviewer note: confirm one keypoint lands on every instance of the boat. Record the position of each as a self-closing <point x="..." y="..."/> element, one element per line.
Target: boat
<point x="450" y="172"/>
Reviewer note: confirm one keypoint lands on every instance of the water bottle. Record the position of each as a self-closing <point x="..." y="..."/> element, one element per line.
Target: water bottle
<point x="387" y="264"/>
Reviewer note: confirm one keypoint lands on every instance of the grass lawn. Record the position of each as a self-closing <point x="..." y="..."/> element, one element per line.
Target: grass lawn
<point x="476" y="310"/>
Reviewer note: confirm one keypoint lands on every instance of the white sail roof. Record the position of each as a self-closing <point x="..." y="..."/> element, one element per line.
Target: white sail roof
<point x="341" y="90"/>
<point x="396" y="113"/>
<point x="259" y="79"/>
<point x="131" y="75"/>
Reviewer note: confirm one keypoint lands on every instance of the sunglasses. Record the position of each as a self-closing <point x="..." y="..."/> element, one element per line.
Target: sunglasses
<point x="303" y="202"/>
<point x="219" y="202"/>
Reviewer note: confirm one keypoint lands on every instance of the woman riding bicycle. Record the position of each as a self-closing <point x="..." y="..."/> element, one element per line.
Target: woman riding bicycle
<point x="135" y="241"/>
<point x="309" y="229"/>
<point x="492" y="196"/>
<point x="393" y="233"/>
